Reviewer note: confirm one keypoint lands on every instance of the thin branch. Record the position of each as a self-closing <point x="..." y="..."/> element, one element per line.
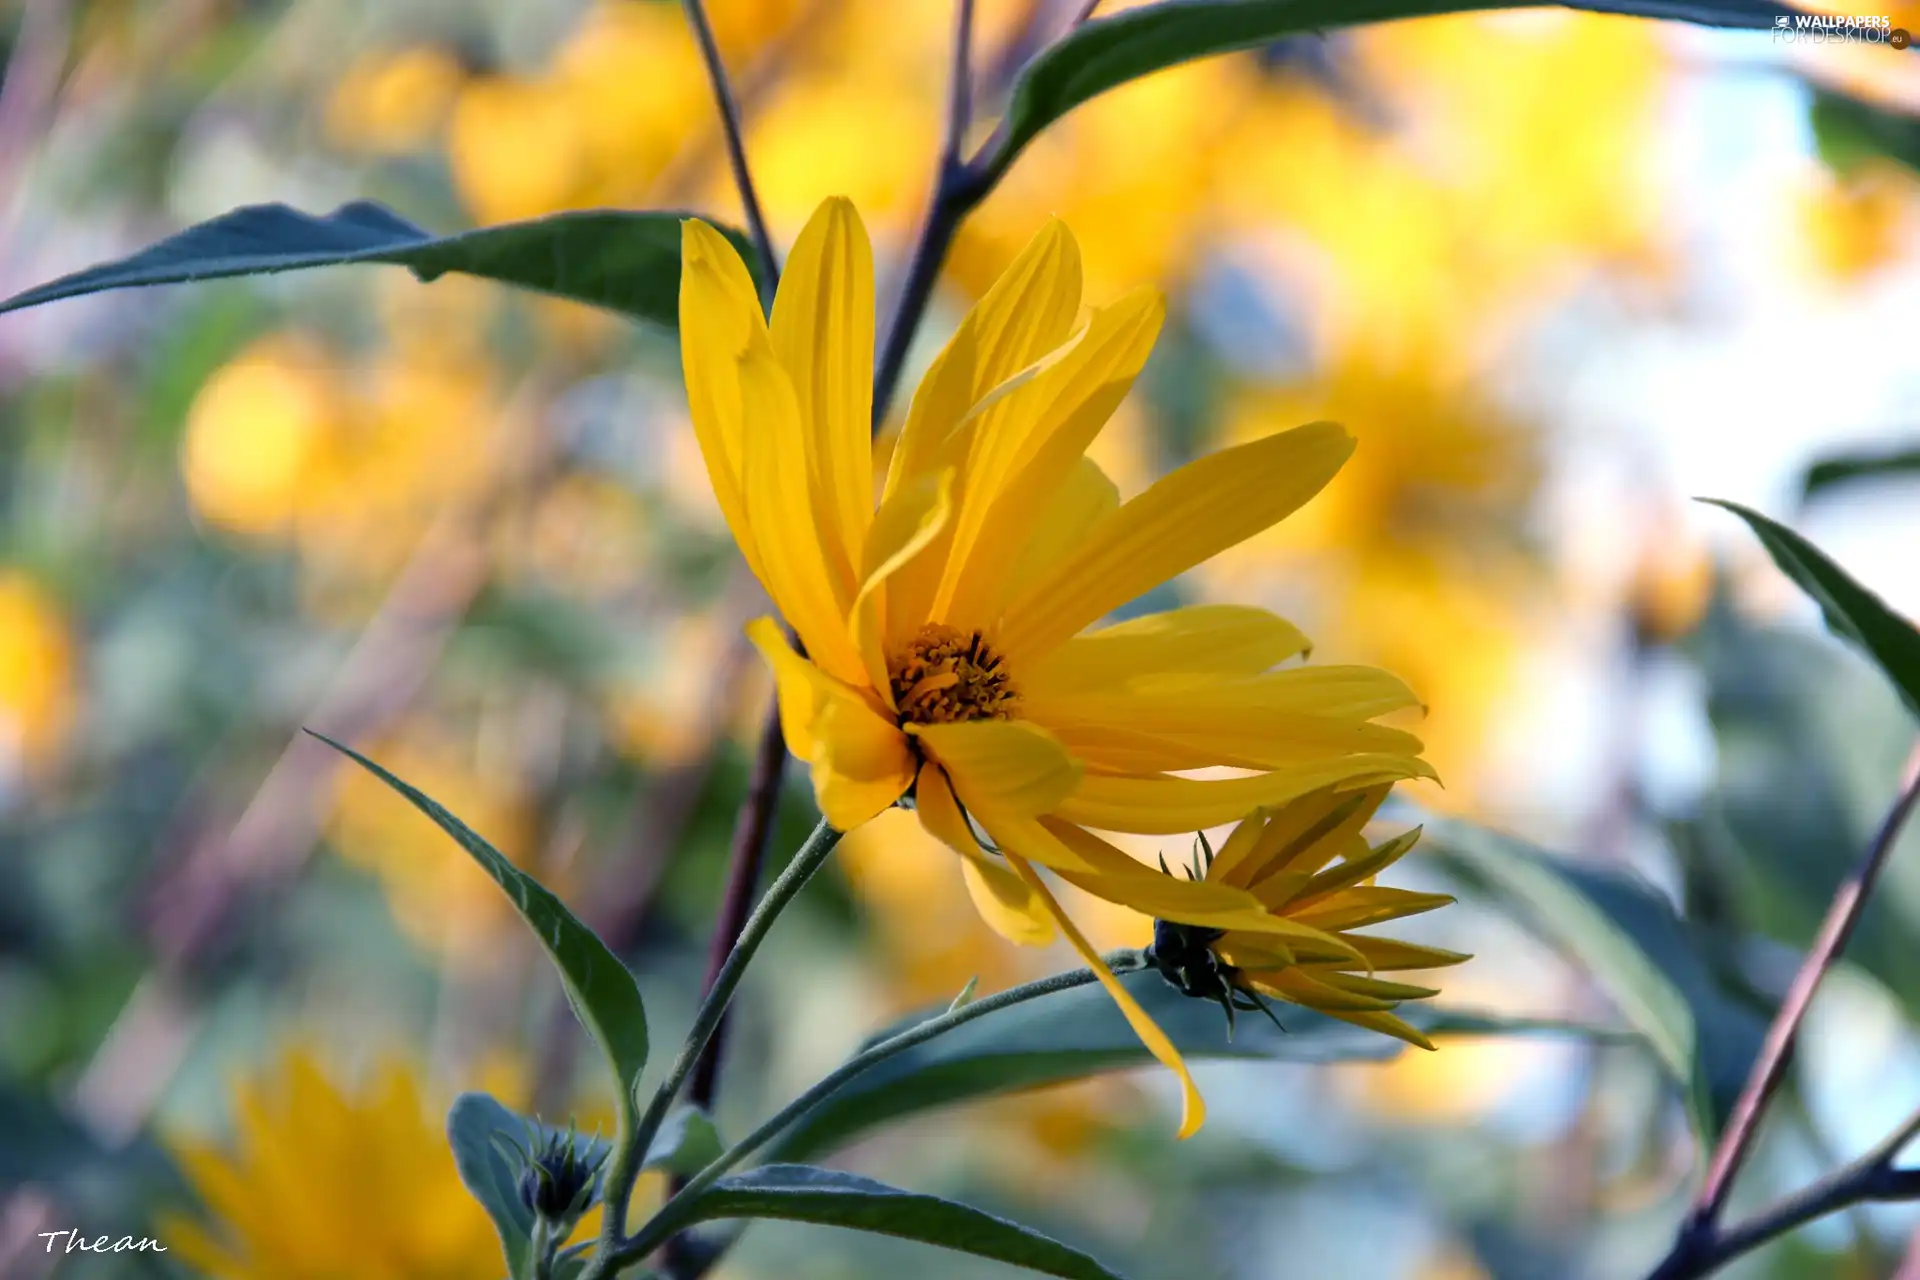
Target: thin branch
<point x="1871" y="1178"/>
<point x="958" y="186"/>
<point x="745" y="860"/>
<point x="736" y="145"/>
<point x="1842" y="915"/>
<point x="1700" y="1232"/>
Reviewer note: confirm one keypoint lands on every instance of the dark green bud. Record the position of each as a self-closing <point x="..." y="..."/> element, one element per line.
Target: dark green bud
<point x="560" y="1176"/>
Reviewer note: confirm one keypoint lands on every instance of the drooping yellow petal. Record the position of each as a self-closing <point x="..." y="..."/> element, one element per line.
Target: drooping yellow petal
<point x="1193" y="1108"/>
<point x="1169" y="806"/>
<point x="1006" y="765"/>
<point x="1212" y="640"/>
<point x="1004" y="900"/>
<point x="823" y="337"/>
<point x="906" y="524"/>
<point x="861" y="761"/>
<point x="719" y="318"/>
<point x="862" y="765"/>
<point x="780" y="511"/>
<point x="1027" y="446"/>
<point x="1090" y="863"/>
<point x="1210" y="504"/>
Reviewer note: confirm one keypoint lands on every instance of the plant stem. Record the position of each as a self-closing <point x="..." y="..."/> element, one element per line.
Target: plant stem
<point x="1700" y="1233"/>
<point x="1872" y="1177"/>
<point x="745" y="857"/>
<point x="627" y="1157"/>
<point x="736" y="144"/>
<point x="958" y="186"/>
<point x="672" y="1216"/>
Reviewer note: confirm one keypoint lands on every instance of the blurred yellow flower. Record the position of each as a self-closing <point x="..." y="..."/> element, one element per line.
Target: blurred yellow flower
<point x="323" y="1182"/>
<point x="1309" y="866"/>
<point x="257" y="433"/>
<point x="393" y="100"/>
<point x="1856" y="223"/>
<point x="37" y="692"/>
<point x="940" y="630"/>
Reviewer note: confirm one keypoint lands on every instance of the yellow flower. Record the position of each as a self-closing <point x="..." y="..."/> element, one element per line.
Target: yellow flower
<point x="1309" y="866"/>
<point x="943" y="660"/>
<point x="325" y="1183"/>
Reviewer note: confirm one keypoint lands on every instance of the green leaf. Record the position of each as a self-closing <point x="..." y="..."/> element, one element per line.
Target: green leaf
<point x="1079" y="1032"/>
<point x="687" y="1143"/>
<point x="1850" y="133"/>
<point x="1635" y="946"/>
<point x="802" y="1193"/>
<point x="601" y="990"/>
<point x="480" y="1131"/>
<point x="1108" y="52"/>
<point x="625" y="262"/>
<point x="1839" y="469"/>
<point x="1852" y="612"/>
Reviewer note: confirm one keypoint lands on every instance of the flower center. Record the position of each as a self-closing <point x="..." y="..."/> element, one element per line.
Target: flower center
<point x="945" y="674"/>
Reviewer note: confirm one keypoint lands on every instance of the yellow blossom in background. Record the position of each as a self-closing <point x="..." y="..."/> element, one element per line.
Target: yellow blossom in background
<point x="393" y="101"/>
<point x="258" y="435"/>
<point x="323" y="1182"/>
<point x="1852" y="224"/>
<point x="941" y="630"/>
<point x="37" y="677"/>
<point x="437" y="896"/>
<point x="1309" y="866"/>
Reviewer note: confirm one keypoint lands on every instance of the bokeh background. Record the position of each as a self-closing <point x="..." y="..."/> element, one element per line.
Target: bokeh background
<point x="1557" y="272"/>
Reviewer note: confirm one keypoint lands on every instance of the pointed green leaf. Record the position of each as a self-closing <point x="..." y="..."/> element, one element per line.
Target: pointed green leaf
<point x="625" y="262"/>
<point x="1067" y="1035"/>
<point x="686" y="1144"/>
<point x="1838" y="469"/>
<point x="601" y="990"/>
<point x="802" y="1193"/>
<point x="1108" y="52"/>
<point x="1852" y="612"/>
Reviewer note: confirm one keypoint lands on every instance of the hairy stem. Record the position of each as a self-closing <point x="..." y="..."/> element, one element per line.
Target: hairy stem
<point x="627" y="1157"/>
<point x="674" y="1214"/>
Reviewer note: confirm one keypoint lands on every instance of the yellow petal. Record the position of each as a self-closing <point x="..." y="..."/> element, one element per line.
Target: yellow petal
<point x="1296" y="985"/>
<point x="1358" y="908"/>
<point x="796" y="686"/>
<point x="1003" y="899"/>
<point x="1328" y="883"/>
<point x="1169" y="806"/>
<point x="1388" y="954"/>
<point x="904" y="527"/>
<point x="823" y="338"/>
<point x="863" y="763"/>
<point x="1027" y="446"/>
<point x="1213" y="640"/>
<point x="1193" y="1109"/>
<point x="1027" y="313"/>
<point x="1309" y="833"/>
<point x="1007" y="765"/>
<point x="1082" y="501"/>
<point x="1189" y="516"/>
<point x="719" y="318"/>
<point x="1169" y="735"/>
<point x="780" y="510"/>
